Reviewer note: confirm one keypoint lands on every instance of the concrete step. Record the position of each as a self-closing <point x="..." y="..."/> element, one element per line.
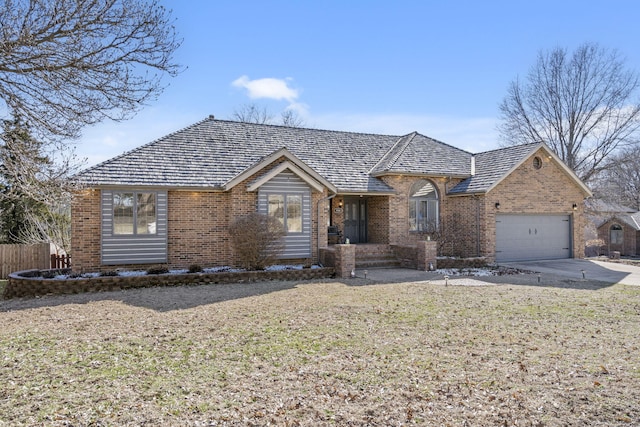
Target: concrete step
<point x="377" y="263"/>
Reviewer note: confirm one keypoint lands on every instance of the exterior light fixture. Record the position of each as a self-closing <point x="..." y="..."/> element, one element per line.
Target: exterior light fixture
<point x="575" y="206"/>
<point x="497" y="205"/>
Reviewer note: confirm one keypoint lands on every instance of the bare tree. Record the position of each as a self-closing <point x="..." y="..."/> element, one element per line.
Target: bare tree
<point x="252" y="113"/>
<point x="620" y="183"/>
<point x="68" y="63"/>
<point x="584" y="106"/>
<point x="34" y="189"/>
<point x="291" y="118"/>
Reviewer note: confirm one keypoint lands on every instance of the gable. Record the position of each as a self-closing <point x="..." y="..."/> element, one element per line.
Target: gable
<point x="416" y="154"/>
<point x="289" y="162"/>
<point x="492" y="167"/>
<point x="628" y="220"/>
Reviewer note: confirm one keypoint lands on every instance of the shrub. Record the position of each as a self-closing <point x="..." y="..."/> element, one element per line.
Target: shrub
<point x="160" y="269"/>
<point x="108" y="273"/>
<point x="257" y="240"/>
<point x="195" y="268"/>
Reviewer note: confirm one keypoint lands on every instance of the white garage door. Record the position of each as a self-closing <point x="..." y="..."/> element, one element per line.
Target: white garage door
<point x="532" y="237"/>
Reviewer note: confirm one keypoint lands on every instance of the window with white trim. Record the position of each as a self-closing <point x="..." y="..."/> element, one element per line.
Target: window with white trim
<point x="423" y="207"/>
<point x="287" y="208"/>
<point x="134" y="213"/>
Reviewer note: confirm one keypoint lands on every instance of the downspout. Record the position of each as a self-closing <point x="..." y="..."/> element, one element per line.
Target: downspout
<point x="475" y="196"/>
<point x="477" y="199"/>
<point x="324" y="199"/>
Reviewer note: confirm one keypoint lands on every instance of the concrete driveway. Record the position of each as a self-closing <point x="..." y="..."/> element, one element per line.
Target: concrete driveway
<point x="593" y="270"/>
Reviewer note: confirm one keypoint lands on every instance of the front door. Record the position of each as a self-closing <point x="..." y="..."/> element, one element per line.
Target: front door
<point x="355" y="219"/>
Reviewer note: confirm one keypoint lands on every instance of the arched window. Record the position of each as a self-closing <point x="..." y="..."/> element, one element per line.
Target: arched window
<point x="423" y="207"/>
<point x="616" y="235"/>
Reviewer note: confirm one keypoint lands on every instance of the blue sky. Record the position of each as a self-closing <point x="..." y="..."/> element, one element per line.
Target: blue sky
<point x="439" y="68"/>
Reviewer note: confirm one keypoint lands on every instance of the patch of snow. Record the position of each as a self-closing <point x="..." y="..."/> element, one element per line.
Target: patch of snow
<point x="283" y="267"/>
<point x="90" y="275"/>
<point x="128" y="273"/>
<point x="132" y="273"/>
<point x="475" y="272"/>
<point x="221" y="269"/>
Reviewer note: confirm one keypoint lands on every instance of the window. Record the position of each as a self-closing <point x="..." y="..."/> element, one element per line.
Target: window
<point x="616" y="235"/>
<point x="423" y="207"/>
<point x="537" y="162"/>
<point x="134" y="213"/>
<point x="287" y="208"/>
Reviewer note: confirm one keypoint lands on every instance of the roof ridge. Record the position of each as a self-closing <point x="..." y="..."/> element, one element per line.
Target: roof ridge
<point x="512" y="147"/>
<point x="307" y="128"/>
<point x="444" y="143"/>
<point x="383" y="159"/>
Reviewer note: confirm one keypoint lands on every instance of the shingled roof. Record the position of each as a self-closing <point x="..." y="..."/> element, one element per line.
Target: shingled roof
<point x="492" y="166"/>
<point x="211" y="153"/>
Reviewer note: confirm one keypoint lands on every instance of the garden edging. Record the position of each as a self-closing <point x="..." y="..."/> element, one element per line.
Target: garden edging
<point x="23" y="284"/>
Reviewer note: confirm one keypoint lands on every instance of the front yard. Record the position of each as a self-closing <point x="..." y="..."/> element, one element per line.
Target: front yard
<point x="324" y="353"/>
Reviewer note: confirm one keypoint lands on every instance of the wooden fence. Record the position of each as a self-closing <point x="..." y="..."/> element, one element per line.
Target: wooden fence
<point x="24" y="257"/>
<point x="60" y="261"/>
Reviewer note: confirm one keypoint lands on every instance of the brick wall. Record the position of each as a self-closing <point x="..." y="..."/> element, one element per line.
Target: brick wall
<point x="378" y="221"/>
<point x="630" y="238"/>
<point x="398" y="208"/>
<point x="198" y="228"/>
<point x="85" y="229"/>
<point x="198" y="223"/>
<point x="548" y="190"/>
<point x="463" y="227"/>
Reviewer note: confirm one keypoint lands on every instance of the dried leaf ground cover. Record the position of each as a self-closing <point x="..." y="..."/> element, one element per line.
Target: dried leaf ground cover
<point x="326" y="353"/>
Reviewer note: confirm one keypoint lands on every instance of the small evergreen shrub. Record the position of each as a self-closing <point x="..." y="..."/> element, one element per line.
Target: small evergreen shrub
<point x="195" y="268"/>
<point x="108" y="273"/>
<point x="157" y="270"/>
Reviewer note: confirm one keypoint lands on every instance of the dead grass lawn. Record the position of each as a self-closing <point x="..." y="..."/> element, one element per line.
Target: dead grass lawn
<point x="324" y="354"/>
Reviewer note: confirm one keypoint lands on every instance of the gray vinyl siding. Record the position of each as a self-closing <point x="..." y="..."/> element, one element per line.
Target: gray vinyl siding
<point x="134" y="249"/>
<point x="297" y="245"/>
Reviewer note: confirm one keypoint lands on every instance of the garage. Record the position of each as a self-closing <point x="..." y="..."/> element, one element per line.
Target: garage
<point x="532" y="237"/>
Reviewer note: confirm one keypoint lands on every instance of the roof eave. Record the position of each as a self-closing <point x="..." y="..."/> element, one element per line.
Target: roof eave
<point x="420" y="174"/>
<point x="203" y="188"/>
<point x="365" y="193"/>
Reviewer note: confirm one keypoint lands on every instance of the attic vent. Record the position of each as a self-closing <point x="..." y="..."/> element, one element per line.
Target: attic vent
<point x="537" y="162"/>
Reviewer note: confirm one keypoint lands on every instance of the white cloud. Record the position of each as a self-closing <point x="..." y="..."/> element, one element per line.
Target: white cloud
<point x="300" y="108"/>
<point x="268" y="88"/>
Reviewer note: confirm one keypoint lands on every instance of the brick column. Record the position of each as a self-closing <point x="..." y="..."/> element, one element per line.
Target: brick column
<point x="345" y="260"/>
<point x="427" y="250"/>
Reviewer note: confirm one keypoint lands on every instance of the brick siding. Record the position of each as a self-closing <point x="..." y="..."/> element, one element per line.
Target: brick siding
<point x="198" y="220"/>
<point x="548" y="190"/>
<point x="631" y="238"/>
<point x="198" y="223"/>
<point x="85" y="229"/>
